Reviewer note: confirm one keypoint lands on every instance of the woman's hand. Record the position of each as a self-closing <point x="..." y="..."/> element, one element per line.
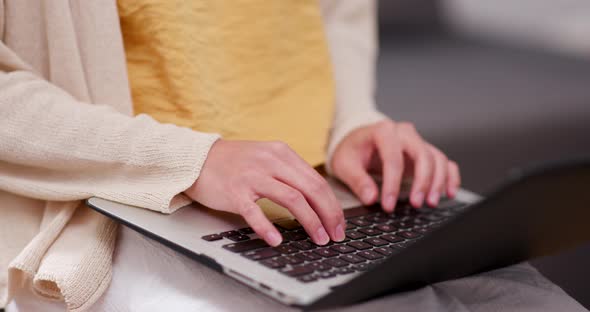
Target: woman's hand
<point x="395" y="150"/>
<point x="238" y="173"/>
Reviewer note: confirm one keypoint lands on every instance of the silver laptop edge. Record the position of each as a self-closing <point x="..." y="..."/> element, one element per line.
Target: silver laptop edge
<point x="183" y="230"/>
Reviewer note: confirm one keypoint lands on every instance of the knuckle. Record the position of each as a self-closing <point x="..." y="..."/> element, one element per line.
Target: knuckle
<point x="265" y="155"/>
<point x="439" y="154"/>
<point x="249" y="175"/>
<point x="292" y="197"/>
<point x="234" y="186"/>
<point x="442" y="158"/>
<point x="424" y="156"/>
<point x="407" y="126"/>
<point x="319" y="186"/>
<point x="278" y="147"/>
<point x="386" y="126"/>
<point x="247" y="209"/>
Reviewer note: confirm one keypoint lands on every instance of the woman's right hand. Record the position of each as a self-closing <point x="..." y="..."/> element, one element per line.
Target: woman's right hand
<point x="238" y="173"/>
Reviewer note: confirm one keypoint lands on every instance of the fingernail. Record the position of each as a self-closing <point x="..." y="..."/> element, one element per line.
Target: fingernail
<point x="367" y="194"/>
<point x="418" y="199"/>
<point x="273" y="238"/>
<point x="339" y="233"/>
<point x="433" y="199"/>
<point x="388" y="202"/>
<point x="322" y="237"/>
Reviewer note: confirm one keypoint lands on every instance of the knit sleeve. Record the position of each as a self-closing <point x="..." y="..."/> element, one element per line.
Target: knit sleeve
<point x="351" y="34"/>
<point x="53" y="147"/>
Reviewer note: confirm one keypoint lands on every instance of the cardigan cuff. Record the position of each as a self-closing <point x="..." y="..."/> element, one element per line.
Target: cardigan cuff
<point x="343" y="126"/>
<point x="175" y="157"/>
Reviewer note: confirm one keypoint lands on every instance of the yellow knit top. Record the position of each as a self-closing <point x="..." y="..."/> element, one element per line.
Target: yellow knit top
<point x="247" y="69"/>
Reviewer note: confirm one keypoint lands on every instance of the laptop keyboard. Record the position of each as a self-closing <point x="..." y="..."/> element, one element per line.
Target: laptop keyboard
<point x="371" y="237"/>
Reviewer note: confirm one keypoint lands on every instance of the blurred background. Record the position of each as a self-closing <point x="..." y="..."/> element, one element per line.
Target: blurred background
<point x="497" y="85"/>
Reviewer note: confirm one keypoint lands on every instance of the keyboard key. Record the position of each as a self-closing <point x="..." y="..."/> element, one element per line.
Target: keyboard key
<point x="355" y="235"/>
<point x="360" y="222"/>
<point x="212" y="237"/>
<point x="409" y="234"/>
<point x="386" y="251"/>
<point x="343" y="270"/>
<point x="246" y="231"/>
<point x="405" y="210"/>
<point x="239" y="238"/>
<point x="342" y="248"/>
<point x="307" y="278"/>
<point x="352" y="258"/>
<point x="272" y="263"/>
<point x="326" y="274"/>
<point x="370" y="231"/>
<point x="286" y="249"/>
<point x="376" y="241"/>
<point x="303" y="245"/>
<point x="326" y="252"/>
<point x="260" y="254"/>
<point x="356" y="212"/>
<point x="361" y="267"/>
<point x="289" y="260"/>
<point x="377" y="218"/>
<point x="369" y="255"/>
<point x="399" y="246"/>
<point x="295" y="236"/>
<point x="386" y="228"/>
<point x="391" y="238"/>
<point x="423" y="230"/>
<point x="402" y="224"/>
<point x="229" y="233"/>
<point x="335" y="262"/>
<point x="350" y="226"/>
<point x="288" y="225"/>
<point x="246" y="245"/>
<point x="318" y="266"/>
<point x="308" y="256"/>
<point x="297" y="270"/>
<point x="360" y="245"/>
<point x="381" y="217"/>
<point x="419" y="221"/>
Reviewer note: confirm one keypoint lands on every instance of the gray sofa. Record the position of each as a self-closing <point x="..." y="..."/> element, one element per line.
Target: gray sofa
<point x="491" y="107"/>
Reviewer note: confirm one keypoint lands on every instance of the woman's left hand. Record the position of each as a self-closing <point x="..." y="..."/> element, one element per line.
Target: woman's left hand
<point x="395" y="150"/>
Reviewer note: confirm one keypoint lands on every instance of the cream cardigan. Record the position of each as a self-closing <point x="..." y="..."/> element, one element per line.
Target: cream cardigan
<point x="67" y="133"/>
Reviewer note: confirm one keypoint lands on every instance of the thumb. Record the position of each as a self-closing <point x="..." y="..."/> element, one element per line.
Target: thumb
<point x="351" y="171"/>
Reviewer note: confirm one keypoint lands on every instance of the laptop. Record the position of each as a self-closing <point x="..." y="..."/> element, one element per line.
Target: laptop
<point x="535" y="212"/>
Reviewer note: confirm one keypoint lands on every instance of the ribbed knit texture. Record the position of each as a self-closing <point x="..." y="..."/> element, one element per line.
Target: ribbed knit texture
<point x="58" y="148"/>
<point x="67" y="133"/>
<point x="352" y="37"/>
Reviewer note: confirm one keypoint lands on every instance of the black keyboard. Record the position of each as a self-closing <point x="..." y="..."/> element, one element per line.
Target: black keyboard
<point x="371" y="236"/>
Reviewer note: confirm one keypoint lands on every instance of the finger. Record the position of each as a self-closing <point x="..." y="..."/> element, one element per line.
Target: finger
<point x="439" y="176"/>
<point x="415" y="148"/>
<point x="453" y="179"/>
<point x="392" y="164"/>
<point x="294" y="201"/>
<point x="254" y="216"/>
<point x="354" y="174"/>
<point x="296" y="173"/>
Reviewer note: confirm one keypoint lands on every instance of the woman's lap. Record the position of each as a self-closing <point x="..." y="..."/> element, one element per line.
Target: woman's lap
<point x="150" y="277"/>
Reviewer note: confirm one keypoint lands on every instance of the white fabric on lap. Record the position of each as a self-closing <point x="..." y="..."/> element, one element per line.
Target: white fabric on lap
<point x="148" y="276"/>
